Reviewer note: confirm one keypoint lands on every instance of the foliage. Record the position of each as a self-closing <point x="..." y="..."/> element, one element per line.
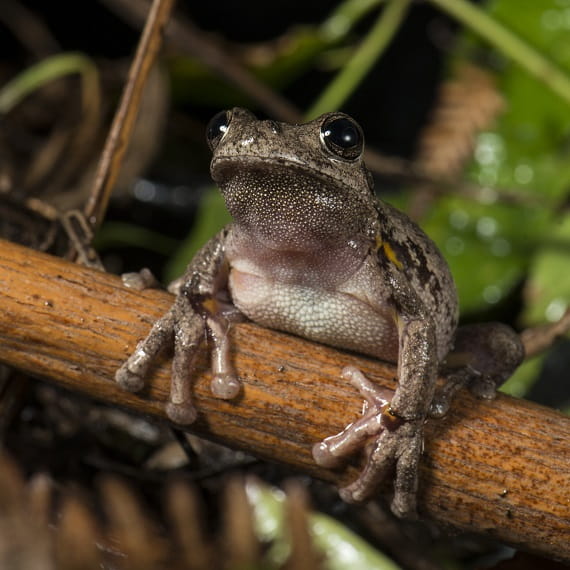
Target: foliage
<point x="340" y="547"/>
<point x="526" y="153"/>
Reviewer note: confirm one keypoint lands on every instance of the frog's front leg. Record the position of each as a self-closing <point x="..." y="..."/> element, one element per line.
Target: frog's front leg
<point x="195" y="314"/>
<point x="396" y="426"/>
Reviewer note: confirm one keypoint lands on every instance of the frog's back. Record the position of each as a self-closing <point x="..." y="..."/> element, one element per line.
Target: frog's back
<point x="426" y="270"/>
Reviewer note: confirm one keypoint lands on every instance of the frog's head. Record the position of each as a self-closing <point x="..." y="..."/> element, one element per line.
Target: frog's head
<point x="293" y="186"/>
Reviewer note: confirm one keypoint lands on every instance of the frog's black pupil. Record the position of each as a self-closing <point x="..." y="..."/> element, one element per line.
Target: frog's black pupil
<point x="343" y="137"/>
<point x="217" y="126"/>
<point x="342" y="133"/>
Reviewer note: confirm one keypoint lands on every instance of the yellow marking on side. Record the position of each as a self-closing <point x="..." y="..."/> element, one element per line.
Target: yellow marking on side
<point x="388" y="252"/>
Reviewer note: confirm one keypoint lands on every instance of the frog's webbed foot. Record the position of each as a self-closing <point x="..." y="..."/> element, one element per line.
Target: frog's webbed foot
<point x="483" y="357"/>
<point x="395" y="444"/>
<point x="198" y="318"/>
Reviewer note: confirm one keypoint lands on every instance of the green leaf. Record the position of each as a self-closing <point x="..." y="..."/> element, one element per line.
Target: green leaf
<point x="530" y="146"/>
<point x="276" y="63"/>
<point x="46" y="71"/>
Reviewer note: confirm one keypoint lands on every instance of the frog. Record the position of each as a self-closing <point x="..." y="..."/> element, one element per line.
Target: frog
<point x="312" y="251"/>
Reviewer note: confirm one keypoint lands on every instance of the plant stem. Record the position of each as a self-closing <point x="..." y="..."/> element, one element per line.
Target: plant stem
<point x="44" y="72"/>
<point x="508" y="43"/>
<point x="344" y="17"/>
<point x="371" y="48"/>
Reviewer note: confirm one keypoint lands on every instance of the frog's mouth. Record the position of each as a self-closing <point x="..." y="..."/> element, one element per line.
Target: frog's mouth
<point x="224" y="168"/>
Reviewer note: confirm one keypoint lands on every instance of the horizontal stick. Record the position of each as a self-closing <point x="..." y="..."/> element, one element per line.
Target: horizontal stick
<point x="501" y="468"/>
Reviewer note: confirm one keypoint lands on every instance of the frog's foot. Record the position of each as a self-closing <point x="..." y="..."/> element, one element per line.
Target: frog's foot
<point x="484" y="356"/>
<point x="396" y="443"/>
<point x="331" y="451"/>
<point x="185" y="330"/>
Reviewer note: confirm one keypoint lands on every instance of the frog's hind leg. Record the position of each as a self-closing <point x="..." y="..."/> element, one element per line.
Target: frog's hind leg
<point x="393" y="442"/>
<point x="483" y="357"/>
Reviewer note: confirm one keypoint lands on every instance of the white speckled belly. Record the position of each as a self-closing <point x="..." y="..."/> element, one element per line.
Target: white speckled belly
<point x="330" y="317"/>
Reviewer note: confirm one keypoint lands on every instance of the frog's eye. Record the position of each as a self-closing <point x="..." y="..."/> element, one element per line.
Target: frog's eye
<point x="217" y="128"/>
<point x="342" y="137"/>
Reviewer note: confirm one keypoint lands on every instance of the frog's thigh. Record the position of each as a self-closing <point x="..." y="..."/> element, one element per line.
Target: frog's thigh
<point x="483" y="357"/>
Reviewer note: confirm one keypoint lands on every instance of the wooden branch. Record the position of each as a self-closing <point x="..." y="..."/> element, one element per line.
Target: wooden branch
<point x="501" y="468"/>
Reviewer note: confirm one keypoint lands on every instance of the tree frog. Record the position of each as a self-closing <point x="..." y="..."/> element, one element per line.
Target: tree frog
<point x="312" y="251"/>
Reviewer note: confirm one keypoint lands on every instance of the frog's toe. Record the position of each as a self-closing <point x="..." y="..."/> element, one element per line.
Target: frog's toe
<point x="140" y="280"/>
<point x="132" y="373"/>
<point x="332" y="450"/>
<point x="183" y="414"/>
<point x="324" y="456"/>
<point x="129" y="380"/>
<point x="380" y="461"/>
<point x="404" y="506"/>
<point x="355" y="493"/>
<point x="225" y="386"/>
<point x="401" y="449"/>
<point x="443" y="397"/>
<point x="376" y="396"/>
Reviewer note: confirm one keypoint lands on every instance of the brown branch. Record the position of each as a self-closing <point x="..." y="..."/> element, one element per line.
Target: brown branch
<point x="501" y="467"/>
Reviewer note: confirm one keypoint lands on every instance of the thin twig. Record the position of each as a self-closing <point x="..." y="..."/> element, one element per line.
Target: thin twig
<point x="540" y="338"/>
<point x="190" y="39"/>
<point x="124" y="120"/>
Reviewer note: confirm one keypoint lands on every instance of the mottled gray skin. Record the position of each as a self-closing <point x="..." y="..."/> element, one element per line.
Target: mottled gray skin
<point x="313" y="252"/>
